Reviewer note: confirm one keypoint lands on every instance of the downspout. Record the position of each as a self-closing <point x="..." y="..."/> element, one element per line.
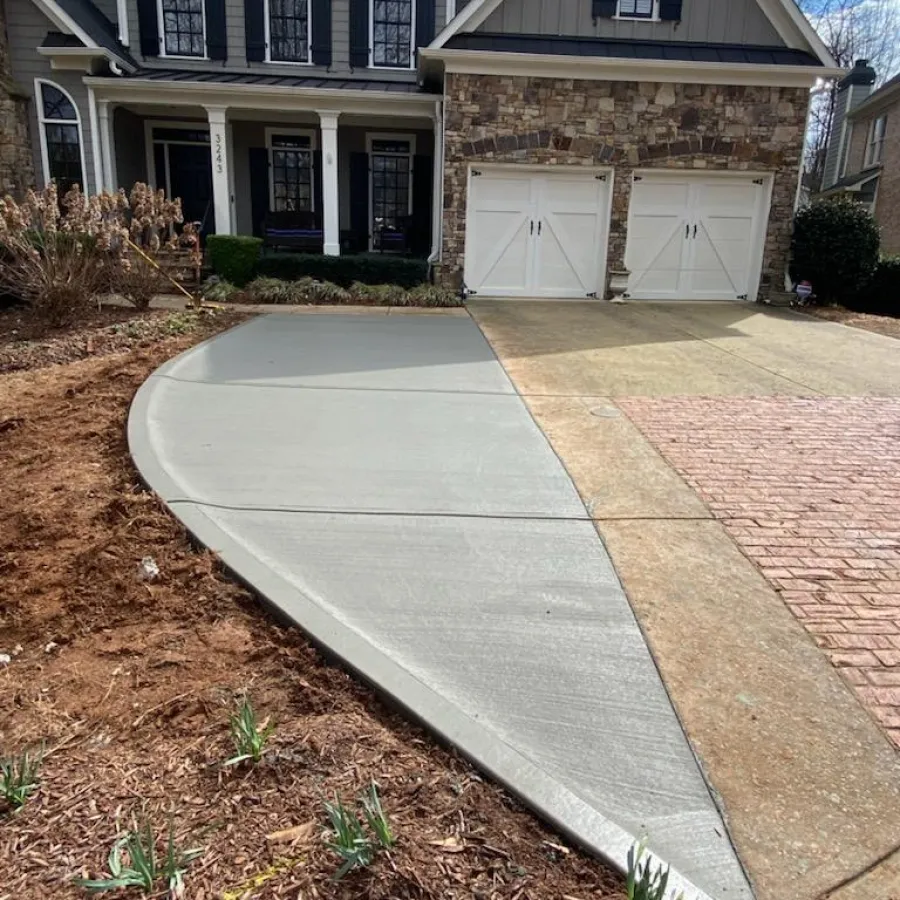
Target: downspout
<point x="437" y="213"/>
<point x="122" y="16"/>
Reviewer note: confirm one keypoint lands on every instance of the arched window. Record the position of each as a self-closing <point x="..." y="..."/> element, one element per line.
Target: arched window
<point x="62" y="148"/>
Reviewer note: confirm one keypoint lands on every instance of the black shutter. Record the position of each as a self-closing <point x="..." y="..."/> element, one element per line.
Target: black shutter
<point x="670" y="10"/>
<point x="318" y="196"/>
<point x="321" y="32"/>
<point x="359" y="200"/>
<point x="255" y="30"/>
<point x="259" y="187"/>
<point x="359" y="34"/>
<point x="216" y="30"/>
<point x="148" y="24"/>
<point x="603" y="9"/>
<point x="424" y="22"/>
<point x="422" y="196"/>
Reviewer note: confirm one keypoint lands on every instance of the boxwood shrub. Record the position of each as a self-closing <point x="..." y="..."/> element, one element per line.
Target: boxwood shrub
<point x="835" y="246"/>
<point x="233" y="257"/>
<point x="344" y="270"/>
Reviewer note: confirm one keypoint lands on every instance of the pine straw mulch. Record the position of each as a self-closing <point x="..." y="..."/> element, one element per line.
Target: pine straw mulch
<point x="130" y="683"/>
<point x="887" y="325"/>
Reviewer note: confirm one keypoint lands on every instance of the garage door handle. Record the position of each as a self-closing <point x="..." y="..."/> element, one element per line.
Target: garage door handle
<point x="695" y="231"/>
<point x="539" y="227"/>
<point x="687" y="230"/>
<point x="532" y="226"/>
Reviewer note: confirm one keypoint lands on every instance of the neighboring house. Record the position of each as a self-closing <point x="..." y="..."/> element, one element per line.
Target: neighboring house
<point x="863" y="157"/>
<point x="529" y="146"/>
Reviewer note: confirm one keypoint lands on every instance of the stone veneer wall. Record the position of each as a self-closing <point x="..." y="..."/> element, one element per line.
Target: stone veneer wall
<point x="625" y="125"/>
<point x="16" y="165"/>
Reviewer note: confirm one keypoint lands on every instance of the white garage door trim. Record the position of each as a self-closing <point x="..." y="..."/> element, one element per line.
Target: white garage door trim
<point x="684" y="230"/>
<point x="518" y="239"/>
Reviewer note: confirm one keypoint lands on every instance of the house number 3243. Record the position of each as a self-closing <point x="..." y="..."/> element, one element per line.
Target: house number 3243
<point x="220" y="160"/>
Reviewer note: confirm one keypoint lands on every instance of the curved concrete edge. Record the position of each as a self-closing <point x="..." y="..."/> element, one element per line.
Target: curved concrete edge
<point x="545" y="795"/>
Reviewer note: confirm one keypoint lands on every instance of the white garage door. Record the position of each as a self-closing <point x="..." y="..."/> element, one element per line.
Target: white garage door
<point x="536" y="233"/>
<point x="695" y="236"/>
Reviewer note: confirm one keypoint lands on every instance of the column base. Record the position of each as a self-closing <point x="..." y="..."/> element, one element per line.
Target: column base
<point x="331" y="249"/>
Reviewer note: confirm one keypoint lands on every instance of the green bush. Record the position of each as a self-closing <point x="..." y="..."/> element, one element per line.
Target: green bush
<point x="835" y="246"/>
<point x="344" y="270"/>
<point x="882" y="294"/>
<point x="233" y="257"/>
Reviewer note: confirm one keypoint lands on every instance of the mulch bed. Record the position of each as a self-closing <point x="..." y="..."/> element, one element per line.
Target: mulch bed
<point x="887" y="325"/>
<point x="130" y="683"/>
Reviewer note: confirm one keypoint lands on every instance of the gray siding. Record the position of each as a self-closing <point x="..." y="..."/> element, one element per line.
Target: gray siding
<point x="128" y="141"/>
<point x="237" y="48"/>
<point x="109" y="9"/>
<point x="733" y="22"/>
<point x="27" y="27"/>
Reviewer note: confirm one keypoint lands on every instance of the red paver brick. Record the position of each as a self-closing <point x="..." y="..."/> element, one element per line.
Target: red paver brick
<point x="809" y="488"/>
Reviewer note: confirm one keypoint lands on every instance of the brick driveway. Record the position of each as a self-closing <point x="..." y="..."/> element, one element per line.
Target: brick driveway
<point x="809" y="488"/>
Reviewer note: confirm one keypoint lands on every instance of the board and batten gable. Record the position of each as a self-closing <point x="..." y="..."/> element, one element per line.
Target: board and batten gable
<point x="26" y="29"/>
<point x="732" y="22"/>
<point x="236" y="31"/>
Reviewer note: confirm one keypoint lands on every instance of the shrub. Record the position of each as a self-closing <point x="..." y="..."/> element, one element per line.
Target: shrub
<point x="882" y="294"/>
<point x="434" y="295"/>
<point x="382" y="294"/>
<point x="234" y="257"/>
<point x="835" y="246"/>
<point x="59" y="256"/>
<point x="325" y="292"/>
<point x="344" y="270"/>
<point x="274" y="290"/>
<point x="217" y="290"/>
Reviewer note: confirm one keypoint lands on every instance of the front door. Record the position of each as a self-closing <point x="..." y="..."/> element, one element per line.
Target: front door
<point x="190" y="178"/>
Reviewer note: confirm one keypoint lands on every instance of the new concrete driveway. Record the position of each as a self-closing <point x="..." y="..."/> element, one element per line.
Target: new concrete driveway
<point x="378" y="479"/>
<point x="743" y="469"/>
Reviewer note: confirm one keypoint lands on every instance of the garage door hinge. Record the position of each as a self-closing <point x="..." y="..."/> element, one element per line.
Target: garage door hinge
<point x="742" y="296"/>
<point x="637" y="177"/>
<point x="600" y="177"/>
<point x="757" y="181"/>
<point x="476" y="173"/>
<point x="592" y="294"/>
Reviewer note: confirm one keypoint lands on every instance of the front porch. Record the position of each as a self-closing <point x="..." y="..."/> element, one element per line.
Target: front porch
<point x="332" y="181"/>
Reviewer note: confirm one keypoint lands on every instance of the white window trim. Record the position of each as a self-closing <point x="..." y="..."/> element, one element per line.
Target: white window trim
<point x="371" y="137"/>
<point x="412" y="38"/>
<point x="625" y="17"/>
<point x="872" y="146"/>
<point x="162" y="35"/>
<point x="313" y="146"/>
<point x="309" y="33"/>
<point x="42" y="123"/>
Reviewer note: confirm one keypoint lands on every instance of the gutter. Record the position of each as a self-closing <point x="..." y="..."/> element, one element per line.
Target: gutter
<point x="606" y="68"/>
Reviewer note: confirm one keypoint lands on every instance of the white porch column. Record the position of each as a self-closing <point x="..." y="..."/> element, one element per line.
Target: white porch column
<point x="331" y="222"/>
<point x="221" y="165"/>
<point x="104" y="117"/>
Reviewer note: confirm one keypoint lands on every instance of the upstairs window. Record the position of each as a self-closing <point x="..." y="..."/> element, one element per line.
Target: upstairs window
<point x="392" y="33"/>
<point x="875" y="145"/>
<point x="61" y="148"/>
<point x="638" y="9"/>
<point x="287" y="30"/>
<point x="183" y="27"/>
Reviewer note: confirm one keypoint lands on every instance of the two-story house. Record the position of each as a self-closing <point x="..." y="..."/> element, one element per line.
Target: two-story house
<point x="863" y="157"/>
<point x="535" y="145"/>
